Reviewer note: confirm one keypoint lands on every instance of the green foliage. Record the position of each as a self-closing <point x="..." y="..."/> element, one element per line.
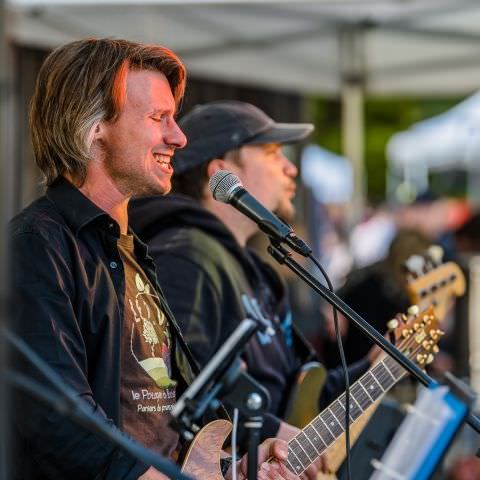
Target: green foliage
<point x="383" y="117"/>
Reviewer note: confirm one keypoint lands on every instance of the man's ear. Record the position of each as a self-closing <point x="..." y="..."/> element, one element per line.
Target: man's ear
<point x="215" y="165"/>
<point x="97" y="133"/>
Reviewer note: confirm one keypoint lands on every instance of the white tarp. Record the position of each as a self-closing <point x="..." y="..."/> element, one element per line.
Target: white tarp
<point x="450" y="141"/>
<point x="419" y="46"/>
<point x="329" y="176"/>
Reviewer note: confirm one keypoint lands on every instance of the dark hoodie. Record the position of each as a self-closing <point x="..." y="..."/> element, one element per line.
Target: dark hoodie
<point x="204" y="273"/>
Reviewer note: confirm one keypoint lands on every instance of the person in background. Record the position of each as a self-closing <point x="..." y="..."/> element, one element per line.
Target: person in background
<point x="376" y="292"/>
<point x="200" y="248"/>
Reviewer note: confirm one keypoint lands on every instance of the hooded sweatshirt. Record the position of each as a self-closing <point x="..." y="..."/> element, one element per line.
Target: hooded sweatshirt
<point x="204" y="273"/>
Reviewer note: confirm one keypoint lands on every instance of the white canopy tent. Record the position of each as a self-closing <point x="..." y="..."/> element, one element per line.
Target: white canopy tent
<point x="391" y="46"/>
<point x="342" y="48"/>
<point x="445" y="142"/>
<point x="329" y="176"/>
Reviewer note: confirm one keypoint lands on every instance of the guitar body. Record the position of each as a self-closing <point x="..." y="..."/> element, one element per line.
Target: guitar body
<point x="302" y="405"/>
<point x="202" y="459"/>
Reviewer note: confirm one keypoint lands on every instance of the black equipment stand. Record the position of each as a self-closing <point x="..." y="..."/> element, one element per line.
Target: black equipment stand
<point x="223" y="379"/>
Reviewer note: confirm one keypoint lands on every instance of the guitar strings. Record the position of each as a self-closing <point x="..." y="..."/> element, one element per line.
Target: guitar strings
<point x="394" y="372"/>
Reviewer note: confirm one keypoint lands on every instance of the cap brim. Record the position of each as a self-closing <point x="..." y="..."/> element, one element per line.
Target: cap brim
<point x="283" y="133"/>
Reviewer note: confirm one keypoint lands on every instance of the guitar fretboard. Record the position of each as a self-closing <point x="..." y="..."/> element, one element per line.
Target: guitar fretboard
<point x="324" y="429"/>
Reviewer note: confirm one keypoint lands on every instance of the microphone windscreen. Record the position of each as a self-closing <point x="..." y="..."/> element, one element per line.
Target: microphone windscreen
<point x="223" y="184"/>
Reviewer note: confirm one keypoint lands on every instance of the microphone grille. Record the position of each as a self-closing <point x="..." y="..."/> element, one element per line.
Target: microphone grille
<point x="222" y="184"/>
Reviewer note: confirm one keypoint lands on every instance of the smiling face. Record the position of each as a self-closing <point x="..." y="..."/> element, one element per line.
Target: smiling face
<point x="138" y="146"/>
<point x="269" y="176"/>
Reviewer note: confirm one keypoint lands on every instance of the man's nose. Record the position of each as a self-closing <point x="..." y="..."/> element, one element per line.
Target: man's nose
<point x="290" y="168"/>
<point x="175" y="137"/>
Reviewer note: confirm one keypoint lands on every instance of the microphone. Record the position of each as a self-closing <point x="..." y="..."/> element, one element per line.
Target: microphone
<point x="226" y="187"/>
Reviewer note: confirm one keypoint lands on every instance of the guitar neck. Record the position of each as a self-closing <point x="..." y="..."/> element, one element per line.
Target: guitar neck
<point x="324" y="429"/>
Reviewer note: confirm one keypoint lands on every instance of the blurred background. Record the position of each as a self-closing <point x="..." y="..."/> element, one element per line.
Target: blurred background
<point x="392" y="167"/>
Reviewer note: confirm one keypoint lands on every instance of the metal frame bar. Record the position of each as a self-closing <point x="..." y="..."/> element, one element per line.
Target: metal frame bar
<point x="6" y="205"/>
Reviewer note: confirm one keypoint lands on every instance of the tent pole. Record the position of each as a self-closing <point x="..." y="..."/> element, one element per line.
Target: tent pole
<point x="352" y="67"/>
<point x="6" y="204"/>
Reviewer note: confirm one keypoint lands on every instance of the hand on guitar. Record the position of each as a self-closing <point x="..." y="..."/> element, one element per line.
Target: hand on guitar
<point x="270" y="449"/>
<point x="287" y="432"/>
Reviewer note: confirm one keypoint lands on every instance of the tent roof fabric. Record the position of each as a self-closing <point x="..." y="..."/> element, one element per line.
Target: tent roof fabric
<point x="391" y="46"/>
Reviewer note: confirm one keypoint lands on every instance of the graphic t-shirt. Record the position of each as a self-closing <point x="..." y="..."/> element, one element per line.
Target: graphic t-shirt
<point x="147" y="391"/>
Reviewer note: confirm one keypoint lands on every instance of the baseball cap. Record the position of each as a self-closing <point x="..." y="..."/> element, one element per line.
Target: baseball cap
<point x="217" y="127"/>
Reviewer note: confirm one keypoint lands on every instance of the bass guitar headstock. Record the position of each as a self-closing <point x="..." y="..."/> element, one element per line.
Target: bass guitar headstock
<point x="431" y="282"/>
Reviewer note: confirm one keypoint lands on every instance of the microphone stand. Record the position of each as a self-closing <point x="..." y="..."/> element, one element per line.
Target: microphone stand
<point x="284" y="257"/>
<point x="67" y="404"/>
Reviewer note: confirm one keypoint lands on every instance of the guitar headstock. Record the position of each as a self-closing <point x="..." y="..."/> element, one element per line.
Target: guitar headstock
<point x="431" y="282"/>
<point x="416" y="334"/>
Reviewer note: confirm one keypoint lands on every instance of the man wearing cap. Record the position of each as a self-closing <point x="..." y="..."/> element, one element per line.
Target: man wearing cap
<point x="199" y="246"/>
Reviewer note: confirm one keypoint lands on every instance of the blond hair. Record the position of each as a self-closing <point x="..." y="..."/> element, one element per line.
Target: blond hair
<point x="79" y="85"/>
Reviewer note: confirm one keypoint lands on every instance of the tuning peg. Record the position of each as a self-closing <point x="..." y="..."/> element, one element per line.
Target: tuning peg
<point x="393" y="324"/>
<point x="407" y="332"/>
<point x="435" y="252"/>
<point x="422" y="358"/>
<point x="429" y="359"/>
<point x="415" y="264"/>
<point x="421" y="323"/>
<point x="428" y="319"/>
<point x="426" y="344"/>
<point x="435" y="349"/>
<point x="420" y="336"/>
<point x="413" y="310"/>
<point x="436" y="334"/>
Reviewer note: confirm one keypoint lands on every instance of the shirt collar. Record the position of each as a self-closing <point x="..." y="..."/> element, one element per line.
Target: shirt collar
<point x="79" y="211"/>
<point x="74" y="206"/>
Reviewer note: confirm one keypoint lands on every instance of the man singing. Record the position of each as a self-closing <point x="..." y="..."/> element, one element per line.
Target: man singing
<point x="204" y="263"/>
<point x="85" y="292"/>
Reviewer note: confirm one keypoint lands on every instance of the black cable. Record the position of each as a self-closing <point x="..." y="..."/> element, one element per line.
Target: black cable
<point x="344" y="367"/>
